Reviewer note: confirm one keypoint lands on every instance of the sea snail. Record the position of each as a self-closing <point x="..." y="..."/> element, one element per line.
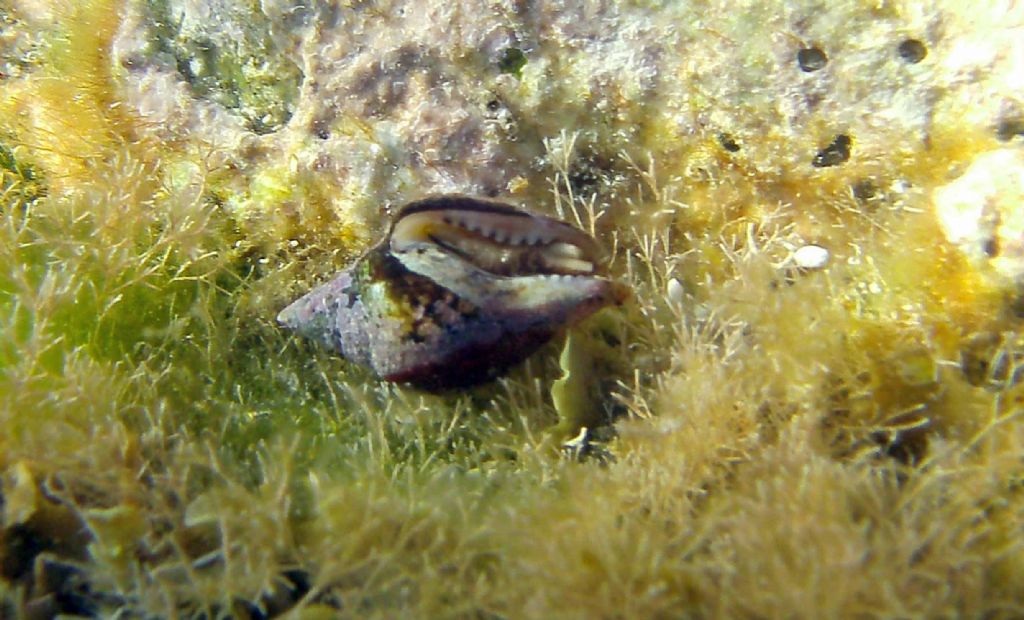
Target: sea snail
<point x="458" y="291"/>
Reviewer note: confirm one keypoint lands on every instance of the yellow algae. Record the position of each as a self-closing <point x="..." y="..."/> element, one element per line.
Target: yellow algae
<point x="67" y="115"/>
<point x="841" y="441"/>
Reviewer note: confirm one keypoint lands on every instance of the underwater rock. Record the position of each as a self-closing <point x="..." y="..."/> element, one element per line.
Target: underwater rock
<point x="458" y="291"/>
<point x="236" y="58"/>
<point x="980" y="212"/>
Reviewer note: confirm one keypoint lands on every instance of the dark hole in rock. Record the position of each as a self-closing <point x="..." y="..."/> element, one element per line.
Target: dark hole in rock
<point x="991" y="247"/>
<point x="728" y="142"/>
<point x="811" y="59"/>
<point x="582" y="179"/>
<point x="912" y="51"/>
<point x="321" y="129"/>
<point x="864" y="190"/>
<point x="589" y="171"/>
<point x="1009" y="128"/>
<point x="834" y="154"/>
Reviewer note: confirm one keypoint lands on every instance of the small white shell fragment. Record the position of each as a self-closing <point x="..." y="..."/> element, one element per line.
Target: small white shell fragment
<point x="811" y="257"/>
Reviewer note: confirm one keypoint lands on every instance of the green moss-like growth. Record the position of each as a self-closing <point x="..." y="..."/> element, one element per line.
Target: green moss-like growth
<point x="246" y="73"/>
<point x="512" y="61"/>
<point x="19" y="182"/>
<point x="840" y="439"/>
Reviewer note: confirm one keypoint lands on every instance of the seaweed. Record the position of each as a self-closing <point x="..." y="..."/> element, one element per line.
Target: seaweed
<point x="763" y="440"/>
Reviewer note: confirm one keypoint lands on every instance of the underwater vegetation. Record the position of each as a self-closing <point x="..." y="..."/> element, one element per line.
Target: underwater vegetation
<point x="810" y="404"/>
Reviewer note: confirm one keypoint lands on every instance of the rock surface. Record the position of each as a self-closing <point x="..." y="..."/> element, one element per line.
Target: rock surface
<point x="982" y="212"/>
<point x="385" y="102"/>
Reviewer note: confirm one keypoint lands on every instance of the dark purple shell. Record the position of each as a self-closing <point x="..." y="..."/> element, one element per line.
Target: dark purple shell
<point x="458" y="291"/>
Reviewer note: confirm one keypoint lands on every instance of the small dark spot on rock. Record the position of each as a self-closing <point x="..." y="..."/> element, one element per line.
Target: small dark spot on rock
<point x="912" y="51"/>
<point x="589" y="171"/>
<point x="864" y="190"/>
<point x="582" y="179"/>
<point x="836" y="153"/>
<point x="512" y="61"/>
<point x="321" y="127"/>
<point x="991" y="247"/>
<point x="1009" y="128"/>
<point x="811" y="59"/>
<point x="728" y="142"/>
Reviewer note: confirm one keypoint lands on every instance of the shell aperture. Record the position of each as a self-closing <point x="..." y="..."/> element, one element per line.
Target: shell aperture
<point x="458" y="291"/>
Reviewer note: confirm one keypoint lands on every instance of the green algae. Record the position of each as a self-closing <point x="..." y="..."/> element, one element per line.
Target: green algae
<point x="20" y="182"/>
<point x="787" y="441"/>
<point x="247" y="73"/>
<point x="512" y="61"/>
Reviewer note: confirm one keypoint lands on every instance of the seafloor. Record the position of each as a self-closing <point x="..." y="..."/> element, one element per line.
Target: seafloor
<point x="810" y="408"/>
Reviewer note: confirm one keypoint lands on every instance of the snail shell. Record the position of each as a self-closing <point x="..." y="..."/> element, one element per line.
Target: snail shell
<point x="458" y="291"/>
